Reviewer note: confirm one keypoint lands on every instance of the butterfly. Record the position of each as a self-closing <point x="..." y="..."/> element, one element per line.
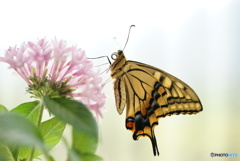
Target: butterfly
<point x="149" y="93"/>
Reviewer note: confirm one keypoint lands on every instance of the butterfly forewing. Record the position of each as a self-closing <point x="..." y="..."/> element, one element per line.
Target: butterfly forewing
<point x="179" y="97"/>
<point x="148" y="94"/>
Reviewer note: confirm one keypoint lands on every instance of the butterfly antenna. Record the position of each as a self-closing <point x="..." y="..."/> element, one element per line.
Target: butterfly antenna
<point x="128" y="35"/>
<point x="115" y="40"/>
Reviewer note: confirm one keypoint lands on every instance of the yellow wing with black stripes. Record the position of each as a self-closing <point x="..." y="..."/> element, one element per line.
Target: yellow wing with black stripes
<point x="148" y="94"/>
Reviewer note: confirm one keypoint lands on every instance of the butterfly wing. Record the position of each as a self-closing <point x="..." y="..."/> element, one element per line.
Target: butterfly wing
<point x="150" y="93"/>
<point x="180" y="98"/>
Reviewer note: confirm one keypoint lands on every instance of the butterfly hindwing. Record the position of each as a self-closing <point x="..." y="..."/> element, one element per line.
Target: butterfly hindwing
<point x="138" y="93"/>
<point x="148" y="94"/>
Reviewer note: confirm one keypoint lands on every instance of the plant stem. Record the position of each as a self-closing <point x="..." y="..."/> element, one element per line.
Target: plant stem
<point x="40" y="114"/>
<point x="39" y="120"/>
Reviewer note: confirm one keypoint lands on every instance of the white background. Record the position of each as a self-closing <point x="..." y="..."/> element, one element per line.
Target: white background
<point x="195" y="40"/>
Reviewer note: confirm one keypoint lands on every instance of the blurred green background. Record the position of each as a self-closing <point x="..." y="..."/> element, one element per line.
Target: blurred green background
<point x="197" y="41"/>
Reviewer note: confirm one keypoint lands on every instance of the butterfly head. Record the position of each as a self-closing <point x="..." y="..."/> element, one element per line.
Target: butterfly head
<point x="119" y="62"/>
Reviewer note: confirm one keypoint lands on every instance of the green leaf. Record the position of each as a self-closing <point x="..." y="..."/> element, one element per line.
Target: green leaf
<point x="90" y="157"/>
<point x="75" y="155"/>
<point x="17" y="130"/>
<point x="52" y="131"/>
<point x="8" y="152"/>
<point x="25" y="151"/>
<point x="82" y="142"/>
<point x="30" y="110"/>
<point x="2" y="158"/>
<point x="3" y="108"/>
<point x="74" y="113"/>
